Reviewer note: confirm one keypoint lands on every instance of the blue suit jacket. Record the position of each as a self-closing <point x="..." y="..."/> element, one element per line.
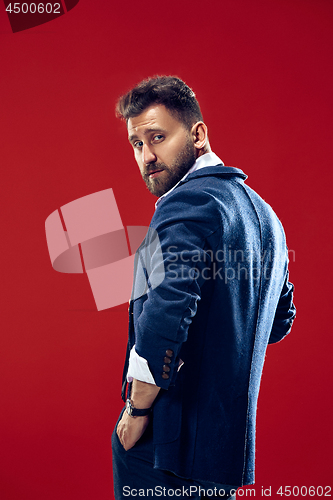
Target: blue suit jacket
<point x="224" y="296"/>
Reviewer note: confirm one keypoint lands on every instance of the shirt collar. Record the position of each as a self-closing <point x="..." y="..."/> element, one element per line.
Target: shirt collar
<point x="206" y="160"/>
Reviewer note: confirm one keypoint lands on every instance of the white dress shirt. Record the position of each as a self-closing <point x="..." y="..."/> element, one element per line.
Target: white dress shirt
<point x="138" y="366"/>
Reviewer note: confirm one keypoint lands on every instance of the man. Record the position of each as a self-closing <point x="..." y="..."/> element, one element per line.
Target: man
<point x="198" y="333"/>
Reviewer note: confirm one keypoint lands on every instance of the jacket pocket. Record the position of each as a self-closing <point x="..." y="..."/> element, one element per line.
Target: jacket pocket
<point x="167" y="416"/>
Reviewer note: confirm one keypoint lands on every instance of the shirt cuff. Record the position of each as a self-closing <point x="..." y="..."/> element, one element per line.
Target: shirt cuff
<point x="138" y="368"/>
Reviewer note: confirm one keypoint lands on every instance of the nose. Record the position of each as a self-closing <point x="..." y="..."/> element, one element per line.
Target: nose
<point x="147" y="154"/>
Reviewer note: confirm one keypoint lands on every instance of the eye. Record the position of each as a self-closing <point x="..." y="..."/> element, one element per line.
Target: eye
<point x="137" y="144"/>
<point x="158" y="138"/>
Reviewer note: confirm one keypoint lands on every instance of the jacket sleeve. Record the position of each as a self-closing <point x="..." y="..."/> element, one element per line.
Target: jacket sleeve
<point x="285" y="313"/>
<point x="182" y="224"/>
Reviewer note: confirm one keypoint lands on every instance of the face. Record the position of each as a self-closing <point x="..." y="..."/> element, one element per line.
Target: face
<point x="163" y="148"/>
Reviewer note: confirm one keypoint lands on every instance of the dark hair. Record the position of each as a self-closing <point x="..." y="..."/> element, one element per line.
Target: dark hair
<point x="170" y="91"/>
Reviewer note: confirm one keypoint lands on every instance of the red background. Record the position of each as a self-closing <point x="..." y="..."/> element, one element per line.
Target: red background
<point x="262" y="71"/>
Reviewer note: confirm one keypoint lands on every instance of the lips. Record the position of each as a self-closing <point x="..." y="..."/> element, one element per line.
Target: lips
<point x="154" y="173"/>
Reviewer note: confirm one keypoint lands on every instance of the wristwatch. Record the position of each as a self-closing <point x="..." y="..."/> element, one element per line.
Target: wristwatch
<point x="135" y="412"/>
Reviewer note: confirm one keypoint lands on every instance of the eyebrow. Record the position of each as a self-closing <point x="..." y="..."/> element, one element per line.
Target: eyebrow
<point x="146" y="132"/>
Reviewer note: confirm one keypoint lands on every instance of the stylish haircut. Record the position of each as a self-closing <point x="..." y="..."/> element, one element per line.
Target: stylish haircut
<point x="170" y="91"/>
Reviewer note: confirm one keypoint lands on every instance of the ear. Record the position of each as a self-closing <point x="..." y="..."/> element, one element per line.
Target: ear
<point x="199" y="133"/>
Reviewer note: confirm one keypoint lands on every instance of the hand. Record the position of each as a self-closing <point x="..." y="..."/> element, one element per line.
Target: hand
<point x="130" y="429"/>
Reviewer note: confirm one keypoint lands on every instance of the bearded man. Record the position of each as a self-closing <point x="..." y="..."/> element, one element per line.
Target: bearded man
<point x="197" y="334"/>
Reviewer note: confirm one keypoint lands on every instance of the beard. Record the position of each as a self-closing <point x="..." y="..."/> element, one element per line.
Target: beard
<point x="172" y="174"/>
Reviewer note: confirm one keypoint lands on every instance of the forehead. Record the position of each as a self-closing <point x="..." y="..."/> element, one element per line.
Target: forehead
<point x="154" y="118"/>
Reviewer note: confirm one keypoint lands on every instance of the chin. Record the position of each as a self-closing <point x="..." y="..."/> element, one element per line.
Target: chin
<point x="157" y="190"/>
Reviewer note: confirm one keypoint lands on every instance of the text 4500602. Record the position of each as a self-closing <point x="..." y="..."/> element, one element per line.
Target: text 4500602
<point x="305" y="491"/>
<point x="33" y="8"/>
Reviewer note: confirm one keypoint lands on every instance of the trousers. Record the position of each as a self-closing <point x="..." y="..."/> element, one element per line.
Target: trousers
<point x="134" y="475"/>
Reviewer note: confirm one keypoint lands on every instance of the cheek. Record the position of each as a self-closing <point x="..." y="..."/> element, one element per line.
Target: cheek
<point x="141" y="167"/>
<point x="168" y="153"/>
<point x="177" y="146"/>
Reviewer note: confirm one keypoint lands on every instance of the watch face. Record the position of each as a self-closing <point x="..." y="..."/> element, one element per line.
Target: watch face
<point x="134" y="412"/>
<point x="128" y="407"/>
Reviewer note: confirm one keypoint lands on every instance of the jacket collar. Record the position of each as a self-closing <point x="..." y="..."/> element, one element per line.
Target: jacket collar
<point x="217" y="171"/>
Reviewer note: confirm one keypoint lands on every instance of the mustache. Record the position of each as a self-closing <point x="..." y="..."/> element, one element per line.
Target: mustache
<point x="154" y="167"/>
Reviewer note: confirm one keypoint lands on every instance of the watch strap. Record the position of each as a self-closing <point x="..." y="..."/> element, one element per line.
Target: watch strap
<point x="136" y="412"/>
